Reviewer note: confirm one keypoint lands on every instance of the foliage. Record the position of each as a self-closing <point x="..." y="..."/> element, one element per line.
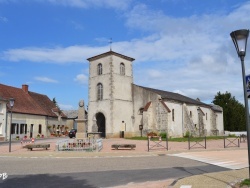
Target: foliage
<point x="245" y="182"/>
<point x="233" y="112"/>
<point x="163" y="135"/>
<point x="56" y="104"/>
<point x="187" y="134"/>
<point x="152" y="134"/>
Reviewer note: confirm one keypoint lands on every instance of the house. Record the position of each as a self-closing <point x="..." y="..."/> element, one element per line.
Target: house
<point x="117" y="107"/>
<point x="3" y="118"/>
<point x="33" y="114"/>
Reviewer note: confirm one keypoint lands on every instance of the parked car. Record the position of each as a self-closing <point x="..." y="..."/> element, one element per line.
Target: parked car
<point x="72" y="133"/>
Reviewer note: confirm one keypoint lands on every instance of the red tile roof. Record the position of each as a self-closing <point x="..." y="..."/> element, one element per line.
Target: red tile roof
<point x="28" y="102"/>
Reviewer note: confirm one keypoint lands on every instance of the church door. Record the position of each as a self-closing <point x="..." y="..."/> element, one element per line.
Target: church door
<point x="100" y="121"/>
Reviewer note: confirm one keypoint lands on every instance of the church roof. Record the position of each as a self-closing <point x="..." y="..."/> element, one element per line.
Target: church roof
<point x="110" y="53"/>
<point x="71" y="114"/>
<point x="175" y="96"/>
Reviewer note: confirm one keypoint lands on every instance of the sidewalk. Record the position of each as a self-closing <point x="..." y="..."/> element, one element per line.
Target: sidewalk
<point x="218" y="179"/>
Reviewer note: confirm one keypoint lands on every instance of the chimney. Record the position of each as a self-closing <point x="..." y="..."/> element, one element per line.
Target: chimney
<point x="25" y="88"/>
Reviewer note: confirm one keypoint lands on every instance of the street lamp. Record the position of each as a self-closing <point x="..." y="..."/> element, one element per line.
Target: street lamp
<point x="12" y="101"/>
<point x="239" y="38"/>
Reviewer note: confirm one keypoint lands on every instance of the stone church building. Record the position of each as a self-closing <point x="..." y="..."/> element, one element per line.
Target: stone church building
<point x="117" y="105"/>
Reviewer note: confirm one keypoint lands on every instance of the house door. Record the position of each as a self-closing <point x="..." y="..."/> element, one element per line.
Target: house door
<point x="31" y="131"/>
<point x="100" y="121"/>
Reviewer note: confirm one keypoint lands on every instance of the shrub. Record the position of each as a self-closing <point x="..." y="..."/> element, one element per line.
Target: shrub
<point x="187" y="134"/>
<point x="152" y="134"/>
<point x="163" y="135"/>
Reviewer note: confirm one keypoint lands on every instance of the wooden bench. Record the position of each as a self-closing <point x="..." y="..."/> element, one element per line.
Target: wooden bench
<point x="117" y="146"/>
<point x="31" y="146"/>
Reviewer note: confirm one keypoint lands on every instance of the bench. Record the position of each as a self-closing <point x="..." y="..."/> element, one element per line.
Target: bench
<point x="31" y="146"/>
<point x="117" y="146"/>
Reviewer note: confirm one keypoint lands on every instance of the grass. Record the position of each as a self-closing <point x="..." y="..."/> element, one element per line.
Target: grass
<point x="182" y="139"/>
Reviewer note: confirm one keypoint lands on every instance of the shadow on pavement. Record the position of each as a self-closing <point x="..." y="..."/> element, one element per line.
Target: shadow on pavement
<point x="43" y="180"/>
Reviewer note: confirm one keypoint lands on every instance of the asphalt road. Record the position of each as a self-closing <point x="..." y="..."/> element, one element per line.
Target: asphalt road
<point x="96" y="172"/>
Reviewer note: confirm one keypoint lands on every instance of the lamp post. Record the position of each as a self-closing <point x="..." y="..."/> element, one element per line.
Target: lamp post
<point x="239" y="38"/>
<point x="12" y="101"/>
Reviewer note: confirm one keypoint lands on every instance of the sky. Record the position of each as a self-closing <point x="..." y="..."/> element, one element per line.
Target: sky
<point x="181" y="46"/>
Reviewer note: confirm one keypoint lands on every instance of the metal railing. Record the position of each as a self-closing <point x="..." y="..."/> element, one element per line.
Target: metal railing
<point x="198" y="142"/>
<point x="156" y="144"/>
<point x="231" y="142"/>
<point x="86" y="144"/>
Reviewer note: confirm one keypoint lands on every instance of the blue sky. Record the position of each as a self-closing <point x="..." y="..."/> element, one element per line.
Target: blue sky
<point x="180" y="46"/>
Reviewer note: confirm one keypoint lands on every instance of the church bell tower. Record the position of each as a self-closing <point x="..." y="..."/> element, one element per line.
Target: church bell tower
<point x="110" y="108"/>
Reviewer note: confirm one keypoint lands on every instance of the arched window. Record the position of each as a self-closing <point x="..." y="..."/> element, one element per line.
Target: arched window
<point x="190" y="113"/>
<point x="122" y="69"/>
<point x="172" y="114"/>
<point x="99" y="69"/>
<point x="99" y="91"/>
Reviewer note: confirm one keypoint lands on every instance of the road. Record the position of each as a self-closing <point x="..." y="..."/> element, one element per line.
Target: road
<point x="96" y="172"/>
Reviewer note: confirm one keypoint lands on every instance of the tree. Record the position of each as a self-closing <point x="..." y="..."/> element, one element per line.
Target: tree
<point x="233" y="112"/>
<point x="55" y="102"/>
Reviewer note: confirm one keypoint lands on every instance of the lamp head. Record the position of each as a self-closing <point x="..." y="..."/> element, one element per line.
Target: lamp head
<point x="239" y="38"/>
<point x="12" y="101"/>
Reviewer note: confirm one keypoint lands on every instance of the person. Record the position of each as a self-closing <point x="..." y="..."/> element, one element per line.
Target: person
<point x="57" y="130"/>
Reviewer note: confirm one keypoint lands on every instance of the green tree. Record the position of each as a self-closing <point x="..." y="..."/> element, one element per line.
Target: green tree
<point x="55" y="102"/>
<point x="233" y="112"/>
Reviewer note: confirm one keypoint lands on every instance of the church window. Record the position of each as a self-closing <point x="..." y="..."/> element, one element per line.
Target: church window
<point x="99" y="69"/>
<point x="172" y="114"/>
<point x="141" y="111"/>
<point x="99" y="91"/>
<point x="122" y="69"/>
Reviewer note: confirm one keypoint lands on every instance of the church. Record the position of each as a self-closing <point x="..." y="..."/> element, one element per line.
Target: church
<point x="119" y="108"/>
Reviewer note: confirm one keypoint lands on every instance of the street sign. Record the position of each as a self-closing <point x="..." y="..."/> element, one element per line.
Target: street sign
<point x="248" y="85"/>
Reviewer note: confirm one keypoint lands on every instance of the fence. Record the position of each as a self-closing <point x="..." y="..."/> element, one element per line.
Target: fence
<point x="231" y="142"/>
<point x="86" y="144"/>
<point x="198" y="142"/>
<point x="155" y="142"/>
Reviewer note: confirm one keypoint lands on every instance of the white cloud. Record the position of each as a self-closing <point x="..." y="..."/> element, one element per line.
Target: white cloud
<point x="3" y="19"/>
<point x="121" y="4"/>
<point x="46" y="79"/>
<point x="71" y="54"/>
<point x="81" y="78"/>
<point x="192" y="55"/>
<point x="66" y="107"/>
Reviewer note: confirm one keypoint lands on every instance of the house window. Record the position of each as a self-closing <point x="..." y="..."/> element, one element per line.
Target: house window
<point x="25" y="129"/>
<point x="172" y="114"/>
<point x="22" y="128"/>
<point x="40" y="129"/>
<point x="99" y="91"/>
<point x="122" y="69"/>
<point x="17" y="128"/>
<point x="13" y="128"/>
<point x="99" y="69"/>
